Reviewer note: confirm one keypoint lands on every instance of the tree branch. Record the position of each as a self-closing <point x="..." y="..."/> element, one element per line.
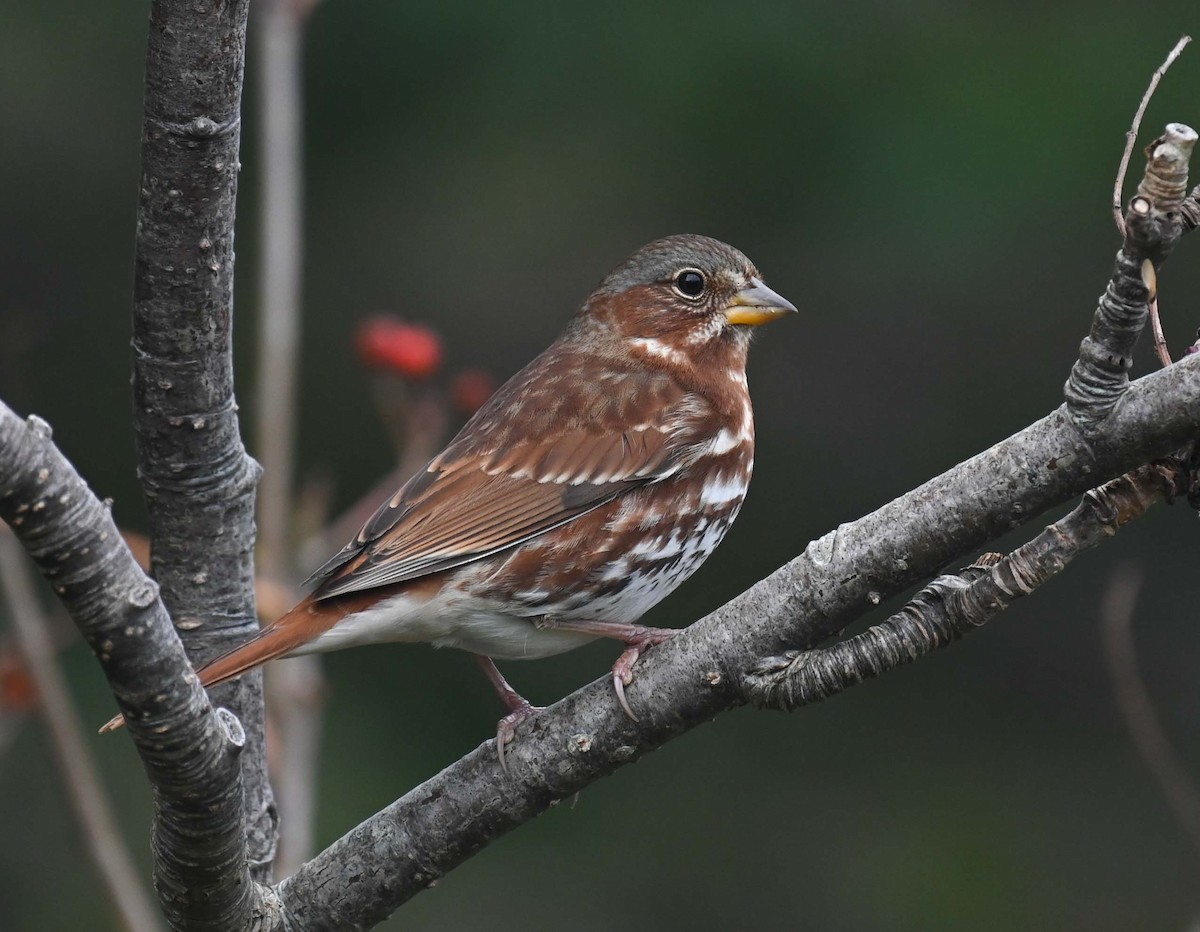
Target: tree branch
<point x="952" y="606"/>
<point x="696" y="675"/>
<point x="198" y="480"/>
<point x="190" y="755"/>
<point x="81" y="780"/>
<point x="1153" y="226"/>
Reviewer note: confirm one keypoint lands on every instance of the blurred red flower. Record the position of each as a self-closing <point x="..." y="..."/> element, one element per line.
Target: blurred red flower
<point x="412" y="351"/>
<point x="17" y="691"/>
<point x="470" y="389"/>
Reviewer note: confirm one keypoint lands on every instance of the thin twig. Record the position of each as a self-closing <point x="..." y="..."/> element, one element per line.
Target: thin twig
<point x="1137" y="711"/>
<point x="1160" y="339"/>
<point x="81" y="780"/>
<point x="293" y="689"/>
<point x="1131" y="135"/>
<point x="279" y="281"/>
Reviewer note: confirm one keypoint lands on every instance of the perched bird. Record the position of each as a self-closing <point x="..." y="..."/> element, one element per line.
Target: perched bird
<point x="589" y="486"/>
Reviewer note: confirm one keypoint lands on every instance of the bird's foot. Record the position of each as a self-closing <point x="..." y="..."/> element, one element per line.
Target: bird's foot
<point x="637" y="639"/>
<point x="519" y="708"/>
<point x="506" y="728"/>
<point x="622" y="671"/>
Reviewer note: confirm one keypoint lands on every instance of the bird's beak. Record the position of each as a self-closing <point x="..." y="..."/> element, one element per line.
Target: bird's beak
<point x="756" y="304"/>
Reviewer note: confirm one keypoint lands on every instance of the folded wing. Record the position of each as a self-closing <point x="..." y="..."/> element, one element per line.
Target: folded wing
<point x="521" y="467"/>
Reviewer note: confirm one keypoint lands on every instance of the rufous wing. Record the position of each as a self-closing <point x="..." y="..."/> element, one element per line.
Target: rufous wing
<point x="517" y="470"/>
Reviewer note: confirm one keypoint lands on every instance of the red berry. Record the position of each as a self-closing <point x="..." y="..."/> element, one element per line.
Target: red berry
<point x="471" y="388"/>
<point x="411" y="351"/>
<point x="17" y="691"/>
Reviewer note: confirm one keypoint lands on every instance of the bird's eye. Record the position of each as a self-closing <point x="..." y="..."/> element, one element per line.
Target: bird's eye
<point x="690" y="283"/>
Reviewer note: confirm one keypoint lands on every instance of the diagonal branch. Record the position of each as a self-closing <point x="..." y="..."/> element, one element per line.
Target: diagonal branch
<point x="81" y="778"/>
<point x="400" y="851"/>
<point x="191" y="757"/>
<point x="952" y="606"/>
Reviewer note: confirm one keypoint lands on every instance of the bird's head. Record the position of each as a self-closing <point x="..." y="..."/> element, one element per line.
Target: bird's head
<point x="683" y="295"/>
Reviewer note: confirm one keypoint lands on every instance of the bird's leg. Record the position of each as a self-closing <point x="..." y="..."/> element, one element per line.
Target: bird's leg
<point x="636" y="638"/>
<point x="519" y="708"/>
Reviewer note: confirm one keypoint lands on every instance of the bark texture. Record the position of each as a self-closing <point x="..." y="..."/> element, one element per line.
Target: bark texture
<point x="191" y="756"/>
<point x="198" y="481"/>
<point x="952" y="606"/>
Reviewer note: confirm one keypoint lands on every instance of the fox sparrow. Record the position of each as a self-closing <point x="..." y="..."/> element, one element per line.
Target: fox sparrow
<point x="584" y="491"/>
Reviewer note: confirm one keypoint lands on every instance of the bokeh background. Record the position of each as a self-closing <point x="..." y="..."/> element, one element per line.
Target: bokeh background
<point x="928" y="181"/>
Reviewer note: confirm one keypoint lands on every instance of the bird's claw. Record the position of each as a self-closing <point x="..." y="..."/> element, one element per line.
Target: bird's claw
<point x="506" y="728"/>
<point x="623" y="676"/>
<point x="622" y="671"/>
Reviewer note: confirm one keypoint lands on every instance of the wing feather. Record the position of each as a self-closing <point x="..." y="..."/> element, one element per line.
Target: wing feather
<point x="528" y="462"/>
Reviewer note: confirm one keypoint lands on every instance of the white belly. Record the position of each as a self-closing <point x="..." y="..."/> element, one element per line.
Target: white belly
<point x="447" y="620"/>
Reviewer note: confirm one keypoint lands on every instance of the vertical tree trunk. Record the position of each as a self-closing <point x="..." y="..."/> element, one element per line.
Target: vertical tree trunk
<point x="199" y="482"/>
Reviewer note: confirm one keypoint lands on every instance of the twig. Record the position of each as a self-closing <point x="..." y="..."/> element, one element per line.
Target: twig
<point x="294" y="689"/>
<point x="1150" y="277"/>
<point x="1160" y="339"/>
<point x="279" y="281"/>
<point x="1100" y="377"/>
<point x="1137" y="710"/>
<point x="81" y="780"/>
<point x="418" y="426"/>
<point x="10" y="724"/>
<point x="1131" y="135"/>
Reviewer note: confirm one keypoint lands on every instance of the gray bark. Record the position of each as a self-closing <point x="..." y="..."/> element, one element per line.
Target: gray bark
<point x="198" y="480"/>
<point x="952" y="606"/>
<point x="191" y="757"/>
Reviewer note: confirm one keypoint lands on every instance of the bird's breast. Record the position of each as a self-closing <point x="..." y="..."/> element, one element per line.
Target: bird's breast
<point x="617" y="562"/>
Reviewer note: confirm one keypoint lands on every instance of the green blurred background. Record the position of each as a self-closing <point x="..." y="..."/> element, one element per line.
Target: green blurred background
<point x="928" y="181"/>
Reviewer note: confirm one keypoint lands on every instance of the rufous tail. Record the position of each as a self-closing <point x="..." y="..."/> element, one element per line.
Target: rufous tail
<point x="306" y="621"/>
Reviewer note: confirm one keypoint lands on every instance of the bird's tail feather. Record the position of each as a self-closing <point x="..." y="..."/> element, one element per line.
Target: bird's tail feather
<point x="299" y="626"/>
